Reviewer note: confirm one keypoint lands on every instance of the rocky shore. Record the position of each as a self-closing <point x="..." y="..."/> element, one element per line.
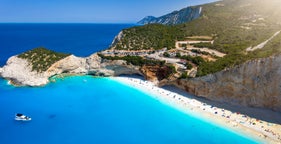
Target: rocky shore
<point x="255" y="83"/>
<point x="19" y="71"/>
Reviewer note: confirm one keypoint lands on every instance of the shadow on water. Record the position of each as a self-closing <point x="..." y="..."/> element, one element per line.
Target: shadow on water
<point x="258" y="113"/>
<point x="52" y="116"/>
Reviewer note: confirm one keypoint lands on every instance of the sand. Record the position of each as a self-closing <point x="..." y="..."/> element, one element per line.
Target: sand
<point x="264" y="132"/>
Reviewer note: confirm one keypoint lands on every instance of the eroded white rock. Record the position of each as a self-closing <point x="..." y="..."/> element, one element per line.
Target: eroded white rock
<point x="19" y="71"/>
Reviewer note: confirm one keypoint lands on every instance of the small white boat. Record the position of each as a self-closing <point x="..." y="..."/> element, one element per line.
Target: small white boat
<point x="21" y="117"/>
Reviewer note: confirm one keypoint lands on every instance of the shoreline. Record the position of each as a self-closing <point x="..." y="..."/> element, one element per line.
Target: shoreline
<point x="245" y="126"/>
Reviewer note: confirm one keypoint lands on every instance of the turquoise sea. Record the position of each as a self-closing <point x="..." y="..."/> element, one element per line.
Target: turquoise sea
<point x="90" y="110"/>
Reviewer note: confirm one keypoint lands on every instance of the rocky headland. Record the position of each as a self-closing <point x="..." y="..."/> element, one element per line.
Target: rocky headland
<point x="255" y="83"/>
<point x="19" y="71"/>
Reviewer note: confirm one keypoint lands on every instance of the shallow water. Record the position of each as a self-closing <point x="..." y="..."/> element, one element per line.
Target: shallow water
<point x="88" y="110"/>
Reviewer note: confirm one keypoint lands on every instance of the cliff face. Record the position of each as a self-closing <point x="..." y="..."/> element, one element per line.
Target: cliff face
<point x="19" y="71"/>
<point x="176" y="17"/>
<point x="255" y="83"/>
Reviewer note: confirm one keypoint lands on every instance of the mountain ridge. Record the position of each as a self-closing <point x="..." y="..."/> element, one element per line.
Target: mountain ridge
<point x="176" y="17"/>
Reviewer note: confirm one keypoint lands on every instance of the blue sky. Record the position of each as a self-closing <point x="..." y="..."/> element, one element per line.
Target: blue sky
<point x="88" y="11"/>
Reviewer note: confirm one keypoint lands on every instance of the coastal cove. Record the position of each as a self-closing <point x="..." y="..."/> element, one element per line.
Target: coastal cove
<point x="203" y="74"/>
<point x="66" y="89"/>
<point x="86" y="109"/>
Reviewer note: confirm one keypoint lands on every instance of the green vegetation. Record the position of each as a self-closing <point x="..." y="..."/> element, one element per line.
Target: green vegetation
<point x="166" y="54"/>
<point x="234" y="25"/>
<point x="165" y="72"/>
<point x="188" y="66"/>
<point x="178" y="55"/>
<point x="200" y="52"/>
<point x="134" y="60"/>
<point x="184" y="76"/>
<point x="42" y="58"/>
<point x="196" y="60"/>
<point x="199" y="39"/>
<point x="204" y="45"/>
<point x="272" y="48"/>
<point x="152" y="36"/>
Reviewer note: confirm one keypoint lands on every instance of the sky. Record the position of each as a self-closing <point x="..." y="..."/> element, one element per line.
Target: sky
<point x="88" y="11"/>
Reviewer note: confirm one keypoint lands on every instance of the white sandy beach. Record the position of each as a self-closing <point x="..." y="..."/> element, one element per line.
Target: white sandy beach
<point x="263" y="131"/>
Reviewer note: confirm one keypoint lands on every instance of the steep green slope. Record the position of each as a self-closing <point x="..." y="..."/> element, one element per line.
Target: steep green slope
<point x="152" y="36"/>
<point x="235" y="25"/>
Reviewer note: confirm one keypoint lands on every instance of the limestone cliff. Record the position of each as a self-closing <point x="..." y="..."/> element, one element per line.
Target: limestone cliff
<point x="19" y="71"/>
<point x="256" y="83"/>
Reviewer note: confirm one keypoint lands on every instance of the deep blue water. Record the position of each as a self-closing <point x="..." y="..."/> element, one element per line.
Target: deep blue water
<point x="78" y="39"/>
<point x="89" y="110"/>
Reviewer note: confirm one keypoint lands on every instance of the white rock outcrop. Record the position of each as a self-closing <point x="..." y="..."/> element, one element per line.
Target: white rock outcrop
<point x="19" y="71"/>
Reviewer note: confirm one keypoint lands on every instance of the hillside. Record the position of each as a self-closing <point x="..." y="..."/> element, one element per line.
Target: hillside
<point x="152" y="36"/>
<point x="42" y="58"/>
<point x="177" y="17"/>
<point x="232" y="25"/>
